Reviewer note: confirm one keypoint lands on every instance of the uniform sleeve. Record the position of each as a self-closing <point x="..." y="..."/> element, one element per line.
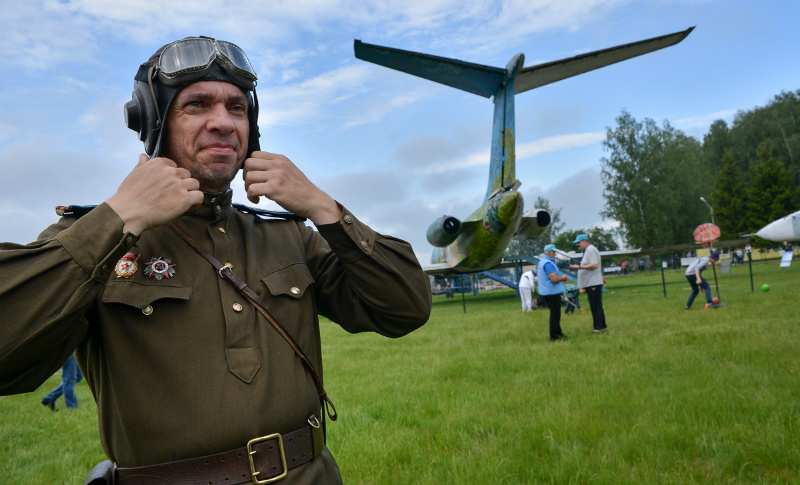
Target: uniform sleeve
<point x="367" y="281"/>
<point x="46" y="289"/>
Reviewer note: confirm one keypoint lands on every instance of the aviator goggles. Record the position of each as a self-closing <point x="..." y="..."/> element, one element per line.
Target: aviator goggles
<point x="189" y="59"/>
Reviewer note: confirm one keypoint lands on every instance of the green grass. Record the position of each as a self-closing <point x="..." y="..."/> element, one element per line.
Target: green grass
<point x="666" y="396"/>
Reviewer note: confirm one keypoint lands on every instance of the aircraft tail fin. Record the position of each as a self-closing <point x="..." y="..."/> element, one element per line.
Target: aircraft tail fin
<point x="473" y="78"/>
<point x="542" y="74"/>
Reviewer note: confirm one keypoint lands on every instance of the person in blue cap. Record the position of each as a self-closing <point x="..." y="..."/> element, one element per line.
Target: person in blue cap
<point x="590" y="279"/>
<point x="551" y="287"/>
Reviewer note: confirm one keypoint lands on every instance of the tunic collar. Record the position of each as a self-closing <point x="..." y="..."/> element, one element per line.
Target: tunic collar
<point x="215" y="205"/>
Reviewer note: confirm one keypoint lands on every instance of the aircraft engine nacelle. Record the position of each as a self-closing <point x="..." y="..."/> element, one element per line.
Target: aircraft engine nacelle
<point x="533" y="223"/>
<point x="444" y="231"/>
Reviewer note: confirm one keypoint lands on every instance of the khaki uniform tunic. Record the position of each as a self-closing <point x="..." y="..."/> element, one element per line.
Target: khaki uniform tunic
<point x="184" y="366"/>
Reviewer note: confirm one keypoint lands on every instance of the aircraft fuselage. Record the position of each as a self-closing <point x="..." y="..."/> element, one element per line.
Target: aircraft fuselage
<point x="486" y="234"/>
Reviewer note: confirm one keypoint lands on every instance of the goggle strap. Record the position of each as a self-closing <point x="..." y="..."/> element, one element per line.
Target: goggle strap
<point x="153" y="93"/>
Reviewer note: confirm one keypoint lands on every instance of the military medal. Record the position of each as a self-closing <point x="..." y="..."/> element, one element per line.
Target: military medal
<point x="159" y="268"/>
<point x="127" y="266"/>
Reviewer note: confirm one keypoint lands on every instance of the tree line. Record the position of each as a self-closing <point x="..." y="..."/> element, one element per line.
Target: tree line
<point x="654" y="176"/>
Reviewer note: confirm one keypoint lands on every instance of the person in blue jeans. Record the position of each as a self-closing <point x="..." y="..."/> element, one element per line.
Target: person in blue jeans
<point x="696" y="280"/>
<point x="70" y="375"/>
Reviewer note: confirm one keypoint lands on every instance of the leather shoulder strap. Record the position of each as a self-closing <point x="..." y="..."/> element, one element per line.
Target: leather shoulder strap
<point x="227" y="274"/>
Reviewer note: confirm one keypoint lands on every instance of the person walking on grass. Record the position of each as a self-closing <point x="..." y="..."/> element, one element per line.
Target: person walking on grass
<point x="70" y="376"/>
<point x="551" y="287"/>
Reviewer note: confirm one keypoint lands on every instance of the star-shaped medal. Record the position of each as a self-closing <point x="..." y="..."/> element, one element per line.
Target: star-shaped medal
<point x="159" y="268"/>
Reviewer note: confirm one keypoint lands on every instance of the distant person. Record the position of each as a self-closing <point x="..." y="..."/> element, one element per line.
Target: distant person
<point x="696" y="280"/>
<point x="625" y="268"/>
<point x="749" y="251"/>
<point x="641" y="265"/>
<point x="590" y="278"/>
<point x="572" y="297"/>
<point x="740" y="255"/>
<point x="526" y="289"/>
<point x="70" y="375"/>
<point x="551" y="287"/>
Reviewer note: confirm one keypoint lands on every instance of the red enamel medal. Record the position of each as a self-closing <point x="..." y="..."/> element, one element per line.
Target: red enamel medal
<point x="127" y="265"/>
<point x="159" y="268"/>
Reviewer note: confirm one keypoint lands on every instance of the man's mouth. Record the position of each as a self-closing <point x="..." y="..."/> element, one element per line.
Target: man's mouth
<point x="219" y="148"/>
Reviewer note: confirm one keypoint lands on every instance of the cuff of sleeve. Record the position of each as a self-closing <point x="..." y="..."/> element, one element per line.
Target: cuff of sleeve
<point x="94" y="241"/>
<point x="349" y="238"/>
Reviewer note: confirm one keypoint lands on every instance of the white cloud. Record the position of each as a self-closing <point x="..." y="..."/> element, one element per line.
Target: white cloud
<point x="523" y="151"/>
<point x="704" y="121"/>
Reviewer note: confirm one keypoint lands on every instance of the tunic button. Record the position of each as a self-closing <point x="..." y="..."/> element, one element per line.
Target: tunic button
<point x="364" y="244"/>
<point x="221" y="230"/>
<point x="147" y="310"/>
<point x="237" y="307"/>
<point x="216" y="207"/>
<point x="105" y="268"/>
<point x="214" y="199"/>
<point x="348" y="219"/>
<point x="295" y="290"/>
<point x="129" y="241"/>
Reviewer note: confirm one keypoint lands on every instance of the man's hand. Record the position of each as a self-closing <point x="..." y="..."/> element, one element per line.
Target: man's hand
<point x="575" y="266"/>
<point x="154" y="193"/>
<point x="277" y="178"/>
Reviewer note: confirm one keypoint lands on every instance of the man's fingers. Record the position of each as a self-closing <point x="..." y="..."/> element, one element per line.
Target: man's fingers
<point x="142" y="158"/>
<point x="253" y="198"/>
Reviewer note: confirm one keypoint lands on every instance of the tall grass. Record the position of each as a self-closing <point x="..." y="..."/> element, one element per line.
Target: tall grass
<point x="665" y="396"/>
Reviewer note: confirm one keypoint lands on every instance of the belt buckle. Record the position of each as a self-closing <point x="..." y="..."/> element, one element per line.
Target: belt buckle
<point x="251" y="452"/>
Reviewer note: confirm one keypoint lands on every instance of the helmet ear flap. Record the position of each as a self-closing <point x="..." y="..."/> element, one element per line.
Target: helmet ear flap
<point x="141" y="116"/>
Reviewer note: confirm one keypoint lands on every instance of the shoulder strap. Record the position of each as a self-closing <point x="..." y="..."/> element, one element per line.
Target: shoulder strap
<point x="226" y="273"/>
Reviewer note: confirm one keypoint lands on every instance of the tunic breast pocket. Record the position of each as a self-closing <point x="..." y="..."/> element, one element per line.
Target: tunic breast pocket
<point x="292" y="281"/>
<point x="144" y="297"/>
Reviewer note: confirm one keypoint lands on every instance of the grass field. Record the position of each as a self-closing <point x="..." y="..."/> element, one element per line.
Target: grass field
<point x="665" y="396"/>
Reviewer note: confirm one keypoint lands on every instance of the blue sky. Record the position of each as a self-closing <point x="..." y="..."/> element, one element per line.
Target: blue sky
<point x="396" y="150"/>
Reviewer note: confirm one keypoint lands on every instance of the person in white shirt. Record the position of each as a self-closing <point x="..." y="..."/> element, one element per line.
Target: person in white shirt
<point x="527" y="286"/>
<point x="590" y="279"/>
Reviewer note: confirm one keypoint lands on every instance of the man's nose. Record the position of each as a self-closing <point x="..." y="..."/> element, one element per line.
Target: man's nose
<point x="219" y="119"/>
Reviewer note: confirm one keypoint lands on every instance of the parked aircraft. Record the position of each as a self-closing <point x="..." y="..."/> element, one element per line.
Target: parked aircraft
<point x="478" y="242"/>
<point x="785" y="229"/>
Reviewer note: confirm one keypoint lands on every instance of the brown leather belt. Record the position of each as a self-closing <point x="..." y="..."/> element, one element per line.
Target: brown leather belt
<point x="264" y="460"/>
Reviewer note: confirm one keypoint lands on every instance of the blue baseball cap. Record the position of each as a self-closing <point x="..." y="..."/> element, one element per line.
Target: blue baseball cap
<point x="550" y="247"/>
<point x="581" y="237"/>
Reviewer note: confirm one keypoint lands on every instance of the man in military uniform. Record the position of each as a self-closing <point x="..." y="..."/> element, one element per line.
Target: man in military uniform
<point x="191" y="382"/>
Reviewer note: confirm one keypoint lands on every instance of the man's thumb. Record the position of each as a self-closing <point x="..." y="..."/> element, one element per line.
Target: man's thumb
<point x="142" y="158"/>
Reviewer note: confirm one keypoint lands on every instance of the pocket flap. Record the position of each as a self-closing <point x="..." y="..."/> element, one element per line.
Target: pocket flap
<point x="139" y="296"/>
<point x="292" y="280"/>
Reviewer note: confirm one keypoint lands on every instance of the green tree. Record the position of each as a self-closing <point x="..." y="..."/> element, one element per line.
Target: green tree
<point x="729" y="199"/>
<point x="772" y="192"/>
<point x="600" y="238"/>
<point x="653" y="178"/>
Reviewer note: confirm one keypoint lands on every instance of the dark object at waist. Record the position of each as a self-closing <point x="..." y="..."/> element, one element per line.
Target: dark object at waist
<point x="263" y="460"/>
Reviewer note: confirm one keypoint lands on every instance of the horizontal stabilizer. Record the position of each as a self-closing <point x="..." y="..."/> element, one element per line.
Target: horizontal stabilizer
<point x="542" y="74"/>
<point x="473" y="78"/>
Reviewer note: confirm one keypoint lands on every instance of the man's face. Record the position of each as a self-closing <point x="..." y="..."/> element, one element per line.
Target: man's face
<point x="551" y="254"/>
<point x="207" y="132"/>
<point x="582" y="244"/>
